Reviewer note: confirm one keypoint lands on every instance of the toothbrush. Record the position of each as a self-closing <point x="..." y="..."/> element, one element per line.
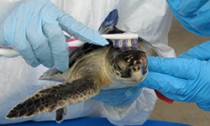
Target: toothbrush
<point x="123" y="40"/>
<point x="119" y="41"/>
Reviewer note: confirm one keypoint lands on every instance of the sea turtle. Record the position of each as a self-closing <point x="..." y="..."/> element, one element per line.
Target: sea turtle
<point x="91" y="69"/>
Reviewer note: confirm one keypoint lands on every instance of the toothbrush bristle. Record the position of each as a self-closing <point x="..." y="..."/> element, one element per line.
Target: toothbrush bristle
<point x="125" y="43"/>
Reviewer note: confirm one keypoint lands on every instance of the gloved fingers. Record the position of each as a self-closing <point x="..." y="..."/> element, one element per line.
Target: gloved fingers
<point x="178" y="67"/>
<point x="165" y="83"/>
<point x="132" y="94"/>
<point x="104" y="95"/>
<point x="200" y="52"/>
<point x="176" y="97"/>
<point x="125" y="96"/>
<point x="14" y="35"/>
<point x="39" y="42"/>
<point x="118" y="97"/>
<point x="186" y="7"/>
<point x="77" y="29"/>
<point x="204" y="106"/>
<point x="26" y="52"/>
<point x="58" y="45"/>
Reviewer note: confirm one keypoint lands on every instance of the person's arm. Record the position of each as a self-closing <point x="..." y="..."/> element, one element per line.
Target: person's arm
<point x="194" y="15"/>
<point x="35" y="29"/>
<point x="186" y="78"/>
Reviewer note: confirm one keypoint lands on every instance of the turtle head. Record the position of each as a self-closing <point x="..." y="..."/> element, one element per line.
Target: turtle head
<point x="130" y="66"/>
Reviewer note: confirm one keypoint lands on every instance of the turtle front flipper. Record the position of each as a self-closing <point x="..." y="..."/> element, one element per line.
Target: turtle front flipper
<point x="56" y="97"/>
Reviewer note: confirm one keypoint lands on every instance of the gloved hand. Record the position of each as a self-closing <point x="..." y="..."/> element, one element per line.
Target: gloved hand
<point x="183" y="79"/>
<point x="118" y="97"/>
<point x="193" y="14"/>
<point x="200" y="52"/>
<point x="34" y="29"/>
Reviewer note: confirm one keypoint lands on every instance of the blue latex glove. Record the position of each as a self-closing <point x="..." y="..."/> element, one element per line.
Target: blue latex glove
<point x="193" y="14"/>
<point x="34" y="29"/>
<point x="118" y="97"/>
<point x="200" y="52"/>
<point x="183" y="79"/>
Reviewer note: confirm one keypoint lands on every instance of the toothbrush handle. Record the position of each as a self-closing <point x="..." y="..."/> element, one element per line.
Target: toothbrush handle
<point x="119" y="41"/>
<point x="10" y="52"/>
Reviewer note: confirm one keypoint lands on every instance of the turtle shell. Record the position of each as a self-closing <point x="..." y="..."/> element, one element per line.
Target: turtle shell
<point x="81" y="51"/>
